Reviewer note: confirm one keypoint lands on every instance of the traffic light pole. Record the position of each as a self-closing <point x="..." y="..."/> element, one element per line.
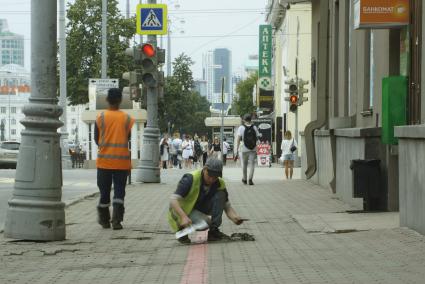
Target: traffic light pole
<point x="35" y="210"/>
<point x="148" y="168"/>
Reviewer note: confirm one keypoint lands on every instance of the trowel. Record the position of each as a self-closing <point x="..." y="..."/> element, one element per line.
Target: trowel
<point x="199" y="226"/>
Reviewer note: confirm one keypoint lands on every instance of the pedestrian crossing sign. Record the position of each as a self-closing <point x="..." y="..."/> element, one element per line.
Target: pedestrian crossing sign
<point x="151" y="19"/>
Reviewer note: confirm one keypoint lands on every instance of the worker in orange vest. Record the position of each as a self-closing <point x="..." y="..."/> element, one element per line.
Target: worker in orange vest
<point x="112" y="133"/>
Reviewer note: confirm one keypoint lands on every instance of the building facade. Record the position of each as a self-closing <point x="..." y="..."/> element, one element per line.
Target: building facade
<point x="217" y="64"/>
<point x="222" y="69"/>
<point x="357" y="72"/>
<point x="291" y="60"/>
<point x="11" y="46"/>
<point x="201" y="86"/>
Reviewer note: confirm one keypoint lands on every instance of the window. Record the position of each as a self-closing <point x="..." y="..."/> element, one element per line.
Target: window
<point x="73" y="109"/>
<point x="13" y="131"/>
<point x="13" y="110"/>
<point x="73" y="121"/>
<point x="3" y="110"/>
<point x="13" y="121"/>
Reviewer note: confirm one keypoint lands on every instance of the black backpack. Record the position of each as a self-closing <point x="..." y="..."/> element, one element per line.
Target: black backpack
<point x="250" y="137"/>
<point x="198" y="148"/>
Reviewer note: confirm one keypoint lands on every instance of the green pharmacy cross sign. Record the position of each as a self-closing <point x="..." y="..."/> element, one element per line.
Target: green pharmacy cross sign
<point x="265" y="57"/>
<point x="265" y="83"/>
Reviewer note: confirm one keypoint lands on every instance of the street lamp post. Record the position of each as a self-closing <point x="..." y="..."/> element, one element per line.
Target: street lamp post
<point x="35" y="210"/>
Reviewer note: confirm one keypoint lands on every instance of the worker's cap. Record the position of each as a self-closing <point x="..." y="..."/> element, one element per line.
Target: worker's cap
<point x="214" y="167"/>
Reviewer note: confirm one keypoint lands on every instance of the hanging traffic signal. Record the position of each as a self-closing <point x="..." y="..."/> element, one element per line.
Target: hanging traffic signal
<point x="302" y="91"/>
<point x="133" y="90"/>
<point x="293" y="99"/>
<point x="292" y="92"/>
<point x="149" y="66"/>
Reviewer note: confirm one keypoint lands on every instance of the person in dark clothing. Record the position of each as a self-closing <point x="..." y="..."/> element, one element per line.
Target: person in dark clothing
<point x="215" y="151"/>
<point x="112" y="134"/>
<point x="202" y="195"/>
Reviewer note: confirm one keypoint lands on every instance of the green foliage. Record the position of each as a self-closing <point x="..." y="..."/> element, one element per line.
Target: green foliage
<point x="84" y="44"/>
<point x="184" y="108"/>
<point x="243" y="103"/>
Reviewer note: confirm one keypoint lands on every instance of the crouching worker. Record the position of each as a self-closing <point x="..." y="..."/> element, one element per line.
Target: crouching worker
<point x="202" y="195"/>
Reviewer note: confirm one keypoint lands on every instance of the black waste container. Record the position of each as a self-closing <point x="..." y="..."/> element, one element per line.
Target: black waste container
<point x="367" y="184"/>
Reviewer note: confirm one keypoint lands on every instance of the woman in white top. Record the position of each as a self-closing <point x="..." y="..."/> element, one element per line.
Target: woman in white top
<point x="288" y="156"/>
<point x="187" y="147"/>
<point x="204" y="146"/>
<point x="164" y="150"/>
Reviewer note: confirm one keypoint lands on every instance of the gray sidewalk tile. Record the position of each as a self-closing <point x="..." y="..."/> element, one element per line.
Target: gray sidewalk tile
<point x="145" y="251"/>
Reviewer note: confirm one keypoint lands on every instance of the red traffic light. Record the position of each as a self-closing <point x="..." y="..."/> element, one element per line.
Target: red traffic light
<point x="148" y="50"/>
<point x="293" y="99"/>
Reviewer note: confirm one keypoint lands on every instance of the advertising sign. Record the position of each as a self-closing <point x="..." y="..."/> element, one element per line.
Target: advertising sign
<point x="265" y="58"/>
<point x="263" y="154"/>
<point x="381" y="13"/>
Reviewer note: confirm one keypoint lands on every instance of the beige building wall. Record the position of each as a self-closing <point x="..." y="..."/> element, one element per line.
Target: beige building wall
<point x="300" y="13"/>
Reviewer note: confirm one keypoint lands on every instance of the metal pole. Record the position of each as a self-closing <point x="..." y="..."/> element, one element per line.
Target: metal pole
<point x="169" y="49"/>
<point x="222" y="115"/>
<point x="141" y="36"/>
<point x="35" y="210"/>
<point x="148" y="168"/>
<point x="104" y="39"/>
<point x="8" y="96"/>
<point x="66" y="160"/>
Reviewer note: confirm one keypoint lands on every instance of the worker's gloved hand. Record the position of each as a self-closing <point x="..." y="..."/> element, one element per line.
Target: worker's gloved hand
<point x="185" y="222"/>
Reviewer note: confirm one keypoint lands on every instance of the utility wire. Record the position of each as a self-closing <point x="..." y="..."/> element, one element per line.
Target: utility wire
<point x="224" y="36"/>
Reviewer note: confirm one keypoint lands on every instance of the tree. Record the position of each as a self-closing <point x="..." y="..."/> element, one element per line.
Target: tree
<point x="243" y="103"/>
<point x="184" y="108"/>
<point x="84" y="43"/>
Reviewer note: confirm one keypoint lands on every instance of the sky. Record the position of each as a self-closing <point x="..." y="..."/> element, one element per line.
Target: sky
<point x="197" y="27"/>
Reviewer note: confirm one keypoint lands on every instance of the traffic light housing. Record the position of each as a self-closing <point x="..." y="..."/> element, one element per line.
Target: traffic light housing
<point x="147" y="58"/>
<point x="149" y="65"/>
<point x="133" y="90"/>
<point x="301" y="91"/>
<point x="292" y="92"/>
<point x="293" y="100"/>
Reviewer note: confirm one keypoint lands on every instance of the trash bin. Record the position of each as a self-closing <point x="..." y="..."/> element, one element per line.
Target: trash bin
<point x="367" y="184"/>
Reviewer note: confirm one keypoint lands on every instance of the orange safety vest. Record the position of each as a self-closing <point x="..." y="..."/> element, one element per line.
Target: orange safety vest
<point x="114" y="127"/>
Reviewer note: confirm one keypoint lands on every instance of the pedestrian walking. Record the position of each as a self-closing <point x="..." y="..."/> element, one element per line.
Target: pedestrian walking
<point x="202" y="195"/>
<point x="288" y="147"/>
<point x="187" y="155"/>
<point x="204" y="146"/>
<point x="164" y="151"/>
<point x="197" y="152"/>
<point x="215" y="151"/>
<point x="177" y="145"/>
<point x="112" y="133"/>
<point x="249" y="134"/>
<point x="226" y="148"/>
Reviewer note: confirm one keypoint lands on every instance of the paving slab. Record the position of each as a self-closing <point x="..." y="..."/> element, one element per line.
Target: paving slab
<point x="145" y="251"/>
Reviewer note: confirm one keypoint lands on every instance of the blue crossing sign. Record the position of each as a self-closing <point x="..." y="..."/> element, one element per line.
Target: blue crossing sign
<point x="151" y="19"/>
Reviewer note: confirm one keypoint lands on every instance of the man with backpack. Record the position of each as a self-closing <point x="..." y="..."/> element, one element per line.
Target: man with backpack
<point x="249" y="134"/>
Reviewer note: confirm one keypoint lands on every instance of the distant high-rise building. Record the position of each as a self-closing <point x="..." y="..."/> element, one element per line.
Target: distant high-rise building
<point x="11" y="46"/>
<point x="201" y="87"/>
<point x="208" y="74"/>
<point x="216" y="65"/>
<point x="236" y="79"/>
<point x="222" y="68"/>
<point x="251" y="65"/>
